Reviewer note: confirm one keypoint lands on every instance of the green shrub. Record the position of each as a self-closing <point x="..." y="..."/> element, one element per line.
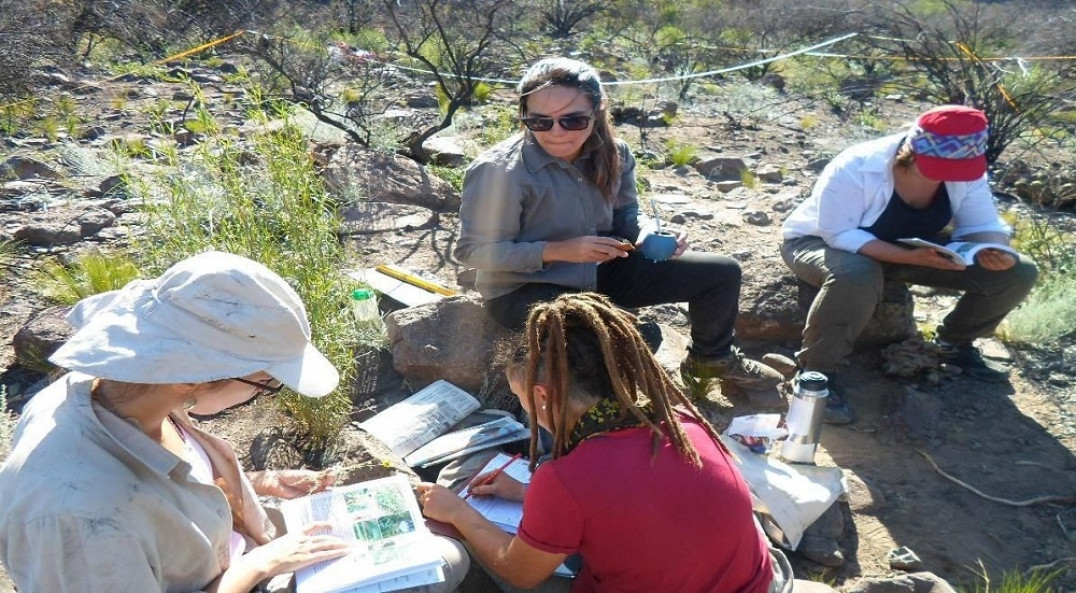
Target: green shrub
<point x="749" y="179"/>
<point x="453" y="175"/>
<point x="871" y="120"/>
<point x="1036" y="581"/>
<point x="264" y="200"/>
<point x="131" y="148"/>
<point x="1049" y="313"/>
<point x="482" y="92"/>
<point x="14" y="116"/>
<point x="1052" y="248"/>
<point x="493" y="123"/>
<point x="443" y="100"/>
<point x="92" y="273"/>
<point x="681" y="154"/>
<point x="49" y="127"/>
<point x="8" y="249"/>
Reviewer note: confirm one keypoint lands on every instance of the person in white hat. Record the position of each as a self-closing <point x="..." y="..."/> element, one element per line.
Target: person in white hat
<point x="110" y="487"/>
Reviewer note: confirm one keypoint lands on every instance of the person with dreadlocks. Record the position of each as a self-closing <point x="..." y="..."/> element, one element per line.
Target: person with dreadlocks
<point x="637" y="481"/>
<point x="554" y="209"/>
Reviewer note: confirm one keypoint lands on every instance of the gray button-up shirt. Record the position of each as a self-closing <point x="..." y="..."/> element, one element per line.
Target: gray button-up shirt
<point x="516" y="198"/>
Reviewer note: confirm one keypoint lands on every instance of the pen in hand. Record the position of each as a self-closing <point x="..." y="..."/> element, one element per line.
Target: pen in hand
<point x="493" y="475"/>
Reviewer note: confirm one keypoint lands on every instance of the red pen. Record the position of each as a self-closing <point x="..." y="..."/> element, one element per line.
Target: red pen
<point x="493" y="475"/>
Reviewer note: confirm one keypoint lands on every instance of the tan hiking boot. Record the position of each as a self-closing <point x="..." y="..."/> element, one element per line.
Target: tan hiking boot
<point x="735" y="370"/>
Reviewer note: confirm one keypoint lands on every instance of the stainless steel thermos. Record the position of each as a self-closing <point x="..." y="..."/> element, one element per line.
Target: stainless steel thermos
<point x="804" y="419"/>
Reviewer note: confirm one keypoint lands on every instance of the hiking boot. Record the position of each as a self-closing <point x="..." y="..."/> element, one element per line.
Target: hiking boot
<point x="735" y="370"/>
<point x="968" y="358"/>
<point x="838" y="410"/>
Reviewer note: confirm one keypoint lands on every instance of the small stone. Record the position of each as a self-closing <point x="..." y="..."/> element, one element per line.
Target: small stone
<point x="816" y="165"/>
<point x="994" y="349"/>
<point x="823" y="550"/>
<point x="757" y="218"/>
<point x="904" y="558"/>
<point x="951" y="369"/>
<point x="92" y="133"/>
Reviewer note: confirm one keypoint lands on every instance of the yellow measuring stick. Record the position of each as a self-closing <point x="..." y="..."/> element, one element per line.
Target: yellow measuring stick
<point x="402" y="276"/>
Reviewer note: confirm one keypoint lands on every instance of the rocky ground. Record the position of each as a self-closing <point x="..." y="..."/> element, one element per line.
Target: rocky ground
<point x="1001" y="445"/>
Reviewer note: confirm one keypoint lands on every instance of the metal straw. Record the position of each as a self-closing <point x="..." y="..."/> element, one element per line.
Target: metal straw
<point x="657" y="216"/>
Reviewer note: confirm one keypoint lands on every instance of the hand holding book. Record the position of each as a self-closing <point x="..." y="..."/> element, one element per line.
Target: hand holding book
<point x="992" y="256"/>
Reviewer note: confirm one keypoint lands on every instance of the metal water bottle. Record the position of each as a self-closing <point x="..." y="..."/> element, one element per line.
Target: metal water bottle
<point x="804" y="419"/>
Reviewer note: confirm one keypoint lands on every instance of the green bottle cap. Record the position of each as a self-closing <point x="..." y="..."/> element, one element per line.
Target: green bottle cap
<point x="362" y="294"/>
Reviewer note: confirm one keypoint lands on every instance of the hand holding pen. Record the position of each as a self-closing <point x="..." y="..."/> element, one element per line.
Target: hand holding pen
<point x="497" y="483"/>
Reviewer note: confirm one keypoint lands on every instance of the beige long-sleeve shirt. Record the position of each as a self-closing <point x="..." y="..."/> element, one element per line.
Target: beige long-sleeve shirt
<point x="92" y="505"/>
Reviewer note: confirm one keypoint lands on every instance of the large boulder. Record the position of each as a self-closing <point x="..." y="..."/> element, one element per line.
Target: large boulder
<point x="918" y="582"/>
<point x="35" y="342"/>
<point x="721" y="168"/>
<point x="23" y="168"/>
<point x="447" y="151"/>
<point x="358" y="173"/>
<point x="774" y="305"/>
<point x="453" y="339"/>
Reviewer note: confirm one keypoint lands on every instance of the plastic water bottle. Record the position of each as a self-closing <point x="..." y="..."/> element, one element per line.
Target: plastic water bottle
<point x="364" y="305"/>
<point x="804" y="419"/>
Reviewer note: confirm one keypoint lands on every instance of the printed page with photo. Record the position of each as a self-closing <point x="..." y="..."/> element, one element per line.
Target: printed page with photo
<point x="382" y="520"/>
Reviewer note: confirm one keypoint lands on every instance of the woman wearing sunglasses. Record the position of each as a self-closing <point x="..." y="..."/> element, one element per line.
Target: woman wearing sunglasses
<point x="110" y="487"/>
<point x="554" y="209"/>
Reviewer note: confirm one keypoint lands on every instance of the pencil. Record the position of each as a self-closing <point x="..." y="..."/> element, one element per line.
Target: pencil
<point x="493" y="475"/>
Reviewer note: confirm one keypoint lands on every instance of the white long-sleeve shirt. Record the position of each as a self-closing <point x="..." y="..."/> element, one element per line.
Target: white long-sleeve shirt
<point x="855" y="188"/>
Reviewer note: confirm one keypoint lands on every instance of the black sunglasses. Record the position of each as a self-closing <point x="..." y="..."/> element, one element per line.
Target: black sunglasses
<point x="264" y="387"/>
<point x="572" y="123"/>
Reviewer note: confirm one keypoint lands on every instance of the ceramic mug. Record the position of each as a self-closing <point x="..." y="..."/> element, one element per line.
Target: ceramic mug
<point x="659" y="246"/>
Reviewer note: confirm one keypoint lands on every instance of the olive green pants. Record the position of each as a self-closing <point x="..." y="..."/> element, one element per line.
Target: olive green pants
<point x="851" y="287"/>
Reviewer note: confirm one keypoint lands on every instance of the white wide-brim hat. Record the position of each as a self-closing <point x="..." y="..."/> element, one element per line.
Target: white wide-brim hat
<point x="209" y="317"/>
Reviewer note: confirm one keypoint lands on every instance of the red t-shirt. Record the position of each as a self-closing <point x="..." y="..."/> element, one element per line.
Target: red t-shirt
<point x="648" y="524"/>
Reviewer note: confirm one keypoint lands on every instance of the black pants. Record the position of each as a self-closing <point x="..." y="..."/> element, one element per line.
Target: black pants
<point x="709" y="283"/>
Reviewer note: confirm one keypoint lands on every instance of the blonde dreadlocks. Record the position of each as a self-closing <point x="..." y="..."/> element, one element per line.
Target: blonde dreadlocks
<point x="581" y="346"/>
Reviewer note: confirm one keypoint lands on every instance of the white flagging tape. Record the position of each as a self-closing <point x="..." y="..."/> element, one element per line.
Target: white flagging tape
<point x="751" y="64"/>
<point x="804" y="50"/>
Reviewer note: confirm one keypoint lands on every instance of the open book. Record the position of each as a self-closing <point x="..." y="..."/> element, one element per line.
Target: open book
<point x="489" y="428"/>
<point x="415" y="428"/>
<point x="391" y="545"/>
<point x="958" y="251"/>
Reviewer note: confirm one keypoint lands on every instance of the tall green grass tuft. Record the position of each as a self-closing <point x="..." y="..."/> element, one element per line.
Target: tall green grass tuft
<point x="681" y="154"/>
<point x="8" y="249"/>
<point x="261" y="198"/>
<point x="92" y="273"/>
<point x="1035" y="581"/>
<point x="1049" y="313"/>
